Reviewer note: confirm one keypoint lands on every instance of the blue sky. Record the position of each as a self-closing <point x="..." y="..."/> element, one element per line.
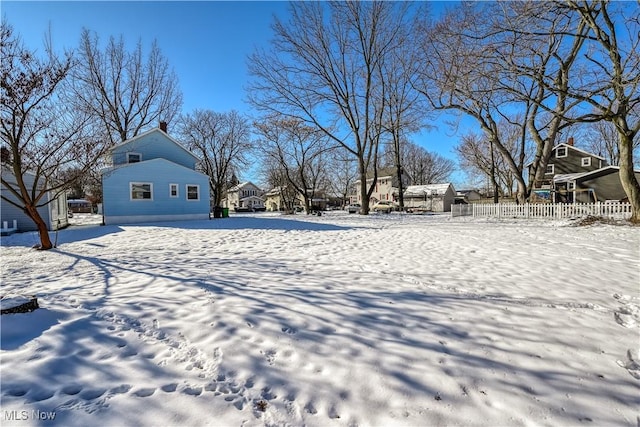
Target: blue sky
<point x="206" y="42"/>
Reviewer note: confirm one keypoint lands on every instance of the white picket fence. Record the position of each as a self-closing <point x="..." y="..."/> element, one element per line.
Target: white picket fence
<point x="614" y="210"/>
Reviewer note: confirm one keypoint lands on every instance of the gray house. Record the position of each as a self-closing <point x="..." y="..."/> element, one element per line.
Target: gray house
<point x="53" y="210"/>
<point x="596" y="186"/>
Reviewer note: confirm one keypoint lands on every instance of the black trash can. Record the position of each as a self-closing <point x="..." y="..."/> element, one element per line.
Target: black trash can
<point x="217" y="212"/>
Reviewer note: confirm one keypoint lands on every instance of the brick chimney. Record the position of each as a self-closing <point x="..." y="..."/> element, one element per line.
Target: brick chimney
<point x="163" y="127"/>
<point x="570" y="142"/>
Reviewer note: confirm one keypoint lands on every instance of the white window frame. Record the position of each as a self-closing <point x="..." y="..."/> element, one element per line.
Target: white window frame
<point x="552" y="171"/>
<point x="131" y="184"/>
<point x="566" y="152"/>
<point x="171" y="187"/>
<point x="586" y="161"/>
<point x="131" y="153"/>
<point x="571" y="185"/>
<point x="187" y="192"/>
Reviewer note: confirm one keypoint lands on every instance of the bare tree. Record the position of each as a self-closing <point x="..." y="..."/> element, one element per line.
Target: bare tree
<point x="342" y="173"/>
<point x="324" y="69"/>
<point x="222" y="141"/>
<point x="476" y="158"/>
<point x="420" y="165"/>
<point x="44" y="134"/>
<point x="494" y="62"/>
<point x="298" y="151"/>
<point x="612" y="88"/>
<point x="601" y="138"/>
<point x="127" y="91"/>
<point x="404" y="111"/>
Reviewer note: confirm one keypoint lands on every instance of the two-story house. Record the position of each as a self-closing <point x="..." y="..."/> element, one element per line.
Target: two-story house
<point x="153" y="178"/>
<point x="386" y="184"/>
<point x="577" y="176"/>
<point x="245" y="197"/>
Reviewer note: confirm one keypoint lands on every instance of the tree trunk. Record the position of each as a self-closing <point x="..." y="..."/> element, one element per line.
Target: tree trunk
<point x="45" y="241"/>
<point x="627" y="176"/>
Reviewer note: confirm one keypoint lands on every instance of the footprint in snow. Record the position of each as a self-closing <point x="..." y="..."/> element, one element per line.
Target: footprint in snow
<point x="631" y="364"/>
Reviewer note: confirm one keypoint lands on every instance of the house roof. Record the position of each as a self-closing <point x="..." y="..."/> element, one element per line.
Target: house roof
<point x="241" y="186"/>
<point x="149" y="132"/>
<point x="588" y="175"/>
<point x="429" y="189"/>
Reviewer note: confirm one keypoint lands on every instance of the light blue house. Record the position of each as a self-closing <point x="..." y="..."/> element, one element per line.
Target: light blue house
<point x="153" y="178"/>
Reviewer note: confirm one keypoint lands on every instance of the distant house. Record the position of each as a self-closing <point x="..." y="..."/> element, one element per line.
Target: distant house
<point x="153" y="178"/>
<point x="577" y="176"/>
<point x="386" y="185"/>
<point x="245" y="197"/>
<point x="53" y="210"/>
<point x="468" y="196"/>
<point x="430" y="197"/>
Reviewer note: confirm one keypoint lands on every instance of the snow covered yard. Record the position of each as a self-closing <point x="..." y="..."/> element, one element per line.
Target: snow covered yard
<point x="334" y="320"/>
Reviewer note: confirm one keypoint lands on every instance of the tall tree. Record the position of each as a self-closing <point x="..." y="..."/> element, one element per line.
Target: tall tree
<point x="127" y="91"/>
<point x="44" y="134"/>
<point x="223" y="143"/>
<point x="612" y="88"/>
<point x="493" y="62"/>
<point x="324" y="69"/>
<point x="298" y="151"/>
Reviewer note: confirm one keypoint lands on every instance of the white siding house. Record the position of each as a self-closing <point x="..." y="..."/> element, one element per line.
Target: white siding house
<point x="153" y="178"/>
<point x="245" y="196"/>
<point x="53" y="209"/>
<point x="429" y="198"/>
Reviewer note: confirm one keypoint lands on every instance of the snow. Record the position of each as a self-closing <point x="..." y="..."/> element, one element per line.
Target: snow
<point x="338" y="320"/>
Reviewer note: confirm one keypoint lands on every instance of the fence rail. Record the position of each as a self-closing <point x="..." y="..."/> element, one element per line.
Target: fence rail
<point x="614" y="210"/>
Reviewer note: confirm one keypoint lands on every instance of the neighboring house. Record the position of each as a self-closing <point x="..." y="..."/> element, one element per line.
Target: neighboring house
<point x="153" y="178"/>
<point x="468" y="196"/>
<point x="577" y="176"/>
<point x="245" y="196"/>
<point x="54" y="213"/>
<point x="596" y="186"/>
<point x="386" y="185"/>
<point x="430" y="197"/>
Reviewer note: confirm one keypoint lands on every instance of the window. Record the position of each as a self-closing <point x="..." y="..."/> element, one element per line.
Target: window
<point x="193" y="192"/>
<point x="173" y="190"/>
<point x="134" y="157"/>
<point x="561" y="152"/>
<point x="141" y="191"/>
<point x="572" y="185"/>
<point x="550" y="169"/>
<point x="586" y="161"/>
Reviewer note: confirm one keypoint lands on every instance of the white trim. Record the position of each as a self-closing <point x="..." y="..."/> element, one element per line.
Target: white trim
<point x="131" y="184"/>
<point x="171" y="187"/>
<point x="587" y="163"/>
<point x="553" y="169"/>
<point x="571" y="185"/>
<point x="129" y="153"/>
<point x="187" y="192"/>
<point x="566" y="152"/>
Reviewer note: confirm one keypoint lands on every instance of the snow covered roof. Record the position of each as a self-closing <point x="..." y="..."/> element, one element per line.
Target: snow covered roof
<point x="429" y="189"/>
